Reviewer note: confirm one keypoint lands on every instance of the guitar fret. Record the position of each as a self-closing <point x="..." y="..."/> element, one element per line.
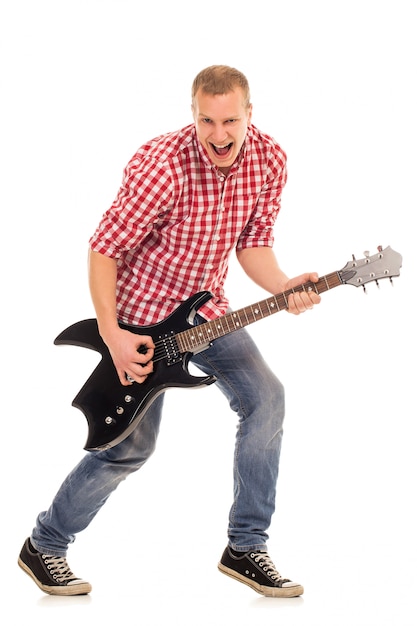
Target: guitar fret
<point x="201" y="334"/>
<point x="225" y="319"/>
<point x="235" y="316"/>
<point x="245" y="311"/>
<point x="273" y="304"/>
<point x="219" y="328"/>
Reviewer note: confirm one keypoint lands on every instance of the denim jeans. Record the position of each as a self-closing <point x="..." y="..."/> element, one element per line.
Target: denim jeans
<point x="254" y="394"/>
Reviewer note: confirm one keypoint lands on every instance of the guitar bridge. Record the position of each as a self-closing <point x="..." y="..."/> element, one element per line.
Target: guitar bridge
<point x="170" y="348"/>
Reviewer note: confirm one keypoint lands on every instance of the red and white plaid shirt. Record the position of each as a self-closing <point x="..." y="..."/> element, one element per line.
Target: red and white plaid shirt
<point x="177" y="218"/>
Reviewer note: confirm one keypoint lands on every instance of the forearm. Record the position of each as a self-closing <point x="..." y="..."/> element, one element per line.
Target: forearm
<point x="261" y="265"/>
<point x="102" y="274"/>
<point x="122" y="344"/>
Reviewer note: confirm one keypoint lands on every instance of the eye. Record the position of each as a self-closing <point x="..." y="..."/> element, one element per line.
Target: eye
<point x="206" y="120"/>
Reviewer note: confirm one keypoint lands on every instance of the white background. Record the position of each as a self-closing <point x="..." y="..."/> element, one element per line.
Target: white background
<point x="83" y="84"/>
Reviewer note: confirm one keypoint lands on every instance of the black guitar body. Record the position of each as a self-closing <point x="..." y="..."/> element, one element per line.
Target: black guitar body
<point x="114" y="410"/>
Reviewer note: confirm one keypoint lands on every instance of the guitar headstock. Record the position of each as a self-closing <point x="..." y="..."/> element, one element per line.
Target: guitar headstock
<point x="386" y="263"/>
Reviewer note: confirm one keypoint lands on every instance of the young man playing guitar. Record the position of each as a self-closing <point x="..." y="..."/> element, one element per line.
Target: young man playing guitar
<point x="187" y="201"/>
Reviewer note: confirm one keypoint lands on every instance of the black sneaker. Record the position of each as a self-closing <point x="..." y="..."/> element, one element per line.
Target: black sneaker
<point x="256" y="569"/>
<point x="51" y="573"/>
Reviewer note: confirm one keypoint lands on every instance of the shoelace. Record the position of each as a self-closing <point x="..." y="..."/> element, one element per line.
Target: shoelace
<point x="58" y="567"/>
<point x="264" y="561"/>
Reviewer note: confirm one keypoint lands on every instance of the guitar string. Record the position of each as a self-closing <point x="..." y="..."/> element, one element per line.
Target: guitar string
<point x="330" y="280"/>
<point x="160" y="351"/>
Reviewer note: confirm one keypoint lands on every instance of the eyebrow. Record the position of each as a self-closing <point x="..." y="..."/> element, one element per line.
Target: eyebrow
<point x="228" y="117"/>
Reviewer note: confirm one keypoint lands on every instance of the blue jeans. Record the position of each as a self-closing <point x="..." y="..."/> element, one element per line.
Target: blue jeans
<point x="254" y="394"/>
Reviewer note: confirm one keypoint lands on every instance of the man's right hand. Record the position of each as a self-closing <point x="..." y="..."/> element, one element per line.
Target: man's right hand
<point x="132" y="355"/>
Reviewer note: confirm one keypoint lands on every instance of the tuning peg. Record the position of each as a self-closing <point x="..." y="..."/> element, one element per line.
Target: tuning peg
<point x="353" y="257"/>
<point x="377" y="283"/>
<point x="364" y="289"/>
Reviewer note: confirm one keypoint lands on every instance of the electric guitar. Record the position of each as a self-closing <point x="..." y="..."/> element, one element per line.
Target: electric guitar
<point x="113" y="410"/>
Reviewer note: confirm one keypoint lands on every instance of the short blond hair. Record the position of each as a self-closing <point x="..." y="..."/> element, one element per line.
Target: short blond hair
<point x="221" y="79"/>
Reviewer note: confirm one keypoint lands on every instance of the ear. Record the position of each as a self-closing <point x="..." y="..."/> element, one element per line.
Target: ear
<point x="249" y="114"/>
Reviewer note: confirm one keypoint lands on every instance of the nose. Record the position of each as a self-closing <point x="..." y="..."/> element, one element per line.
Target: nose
<point x="219" y="134"/>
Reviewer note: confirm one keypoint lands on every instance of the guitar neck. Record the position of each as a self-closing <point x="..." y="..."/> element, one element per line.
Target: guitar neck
<point x="200" y="336"/>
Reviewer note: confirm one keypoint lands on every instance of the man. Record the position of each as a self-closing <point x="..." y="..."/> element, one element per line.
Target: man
<point x="188" y="199"/>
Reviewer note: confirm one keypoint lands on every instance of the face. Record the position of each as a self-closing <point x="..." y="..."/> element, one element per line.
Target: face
<point x="221" y="122"/>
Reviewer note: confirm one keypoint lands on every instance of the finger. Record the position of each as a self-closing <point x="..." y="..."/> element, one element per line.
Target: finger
<point x="292" y="305"/>
<point x="144" y="354"/>
<point x="303" y="302"/>
<point x="133" y="375"/>
<point x="136" y="379"/>
<point x="124" y="378"/>
<point x="145" y="344"/>
<point x="138" y="372"/>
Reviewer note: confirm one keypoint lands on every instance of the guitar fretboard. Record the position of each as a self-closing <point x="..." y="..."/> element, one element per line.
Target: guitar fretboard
<point x="194" y="338"/>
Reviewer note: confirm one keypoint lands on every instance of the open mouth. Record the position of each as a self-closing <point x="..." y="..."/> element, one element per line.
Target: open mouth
<point x="222" y="151"/>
